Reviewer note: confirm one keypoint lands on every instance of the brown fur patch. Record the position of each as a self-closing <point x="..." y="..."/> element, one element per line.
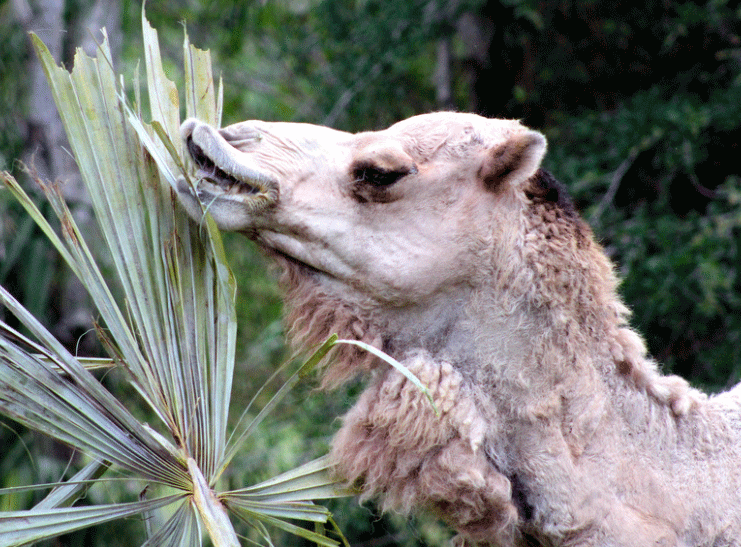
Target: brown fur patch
<point x="313" y="316"/>
<point x="543" y="188"/>
<point x="576" y="281"/>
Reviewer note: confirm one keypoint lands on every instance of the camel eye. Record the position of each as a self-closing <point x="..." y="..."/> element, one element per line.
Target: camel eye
<point x="376" y="176"/>
<point x="372" y="181"/>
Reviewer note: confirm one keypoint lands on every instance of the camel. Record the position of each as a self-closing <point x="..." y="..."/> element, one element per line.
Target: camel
<point x="442" y="242"/>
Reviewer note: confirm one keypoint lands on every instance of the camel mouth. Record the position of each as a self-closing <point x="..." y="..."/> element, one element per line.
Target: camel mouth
<point x="227" y="182"/>
<point x="212" y="179"/>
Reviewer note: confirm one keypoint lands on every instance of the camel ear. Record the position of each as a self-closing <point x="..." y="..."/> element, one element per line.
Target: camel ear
<point x="513" y="161"/>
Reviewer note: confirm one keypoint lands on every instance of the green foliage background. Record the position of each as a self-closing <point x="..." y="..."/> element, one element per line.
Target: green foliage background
<point x="641" y="104"/>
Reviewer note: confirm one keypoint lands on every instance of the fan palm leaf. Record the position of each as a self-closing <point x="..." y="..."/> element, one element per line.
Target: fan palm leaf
<point x="173" y="329"/>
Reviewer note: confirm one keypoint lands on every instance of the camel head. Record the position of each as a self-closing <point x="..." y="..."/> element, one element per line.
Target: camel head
<point x="377" y="225"/>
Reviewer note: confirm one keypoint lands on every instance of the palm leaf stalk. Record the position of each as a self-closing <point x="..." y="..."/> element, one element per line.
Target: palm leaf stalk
<point x="173" y="330"/>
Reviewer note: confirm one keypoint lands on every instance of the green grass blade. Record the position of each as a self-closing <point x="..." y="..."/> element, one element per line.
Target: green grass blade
<point x="394" y="363"/>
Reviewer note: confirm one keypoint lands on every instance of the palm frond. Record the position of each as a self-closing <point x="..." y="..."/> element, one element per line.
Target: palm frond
<point x="76" y="409"/>
<point x="21" y="527"/>
<point x="173" y="329"/>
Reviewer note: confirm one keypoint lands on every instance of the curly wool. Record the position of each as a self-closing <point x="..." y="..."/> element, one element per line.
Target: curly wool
<point x="396" y="447"/>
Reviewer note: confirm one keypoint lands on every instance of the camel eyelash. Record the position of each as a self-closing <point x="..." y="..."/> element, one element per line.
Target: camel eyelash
<point x="376" y="176"/>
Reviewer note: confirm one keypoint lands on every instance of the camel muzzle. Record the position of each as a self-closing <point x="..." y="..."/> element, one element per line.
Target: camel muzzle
<point x="228" y="184"/>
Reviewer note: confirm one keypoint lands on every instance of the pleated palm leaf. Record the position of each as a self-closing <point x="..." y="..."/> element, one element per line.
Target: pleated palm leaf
<point x="174" y="330"/>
